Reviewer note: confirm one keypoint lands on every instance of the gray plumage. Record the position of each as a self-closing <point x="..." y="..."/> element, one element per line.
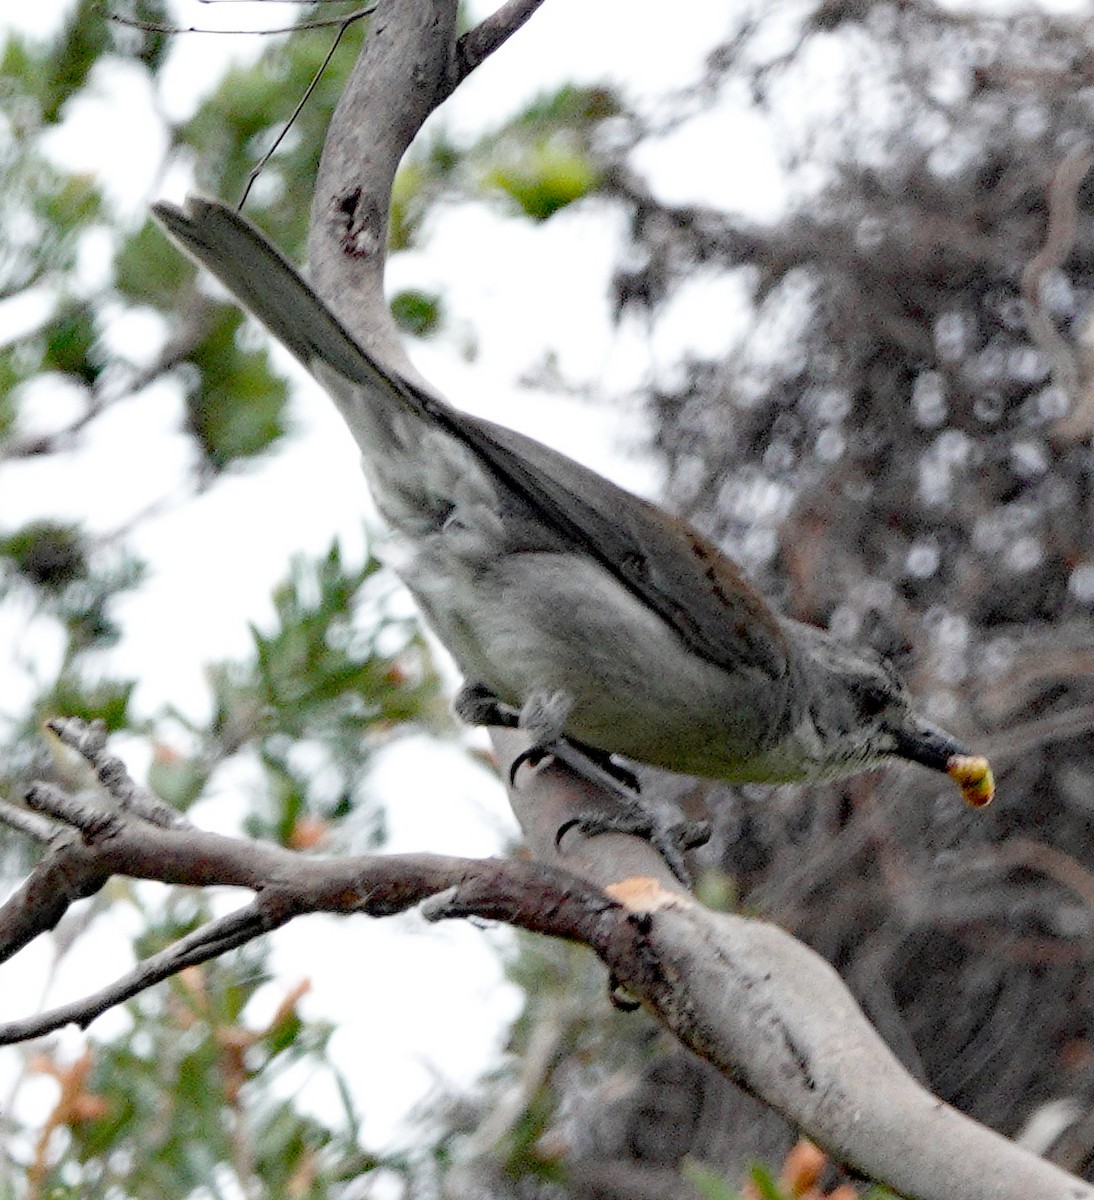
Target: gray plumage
<point x="557" y="591"/>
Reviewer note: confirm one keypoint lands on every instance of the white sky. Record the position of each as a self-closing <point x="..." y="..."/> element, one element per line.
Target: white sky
<point x="412" y="1004"/>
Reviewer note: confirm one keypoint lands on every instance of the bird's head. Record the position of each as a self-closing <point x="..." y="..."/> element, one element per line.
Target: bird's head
<point x="863" y="715"/>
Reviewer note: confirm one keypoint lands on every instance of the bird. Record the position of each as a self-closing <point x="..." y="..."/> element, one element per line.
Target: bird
<point x="612" y="631"/>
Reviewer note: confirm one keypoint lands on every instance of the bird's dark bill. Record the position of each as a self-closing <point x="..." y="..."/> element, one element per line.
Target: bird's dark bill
<point x="934" y="748"/>
<point x="928" y="746"/>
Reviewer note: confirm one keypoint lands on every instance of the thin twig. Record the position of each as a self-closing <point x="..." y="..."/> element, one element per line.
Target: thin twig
<point x="158" y="27"/>
<point x="208" y="942"/>
<point x="89" y="741"/>
<point x="1067" y="372"/>
<point x="1040" y="856"/>
<point x="257" y="169"/>
<point x="1019" y="739"/>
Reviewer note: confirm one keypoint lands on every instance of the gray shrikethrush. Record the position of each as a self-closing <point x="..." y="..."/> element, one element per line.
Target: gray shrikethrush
<point x="591" y="618"/>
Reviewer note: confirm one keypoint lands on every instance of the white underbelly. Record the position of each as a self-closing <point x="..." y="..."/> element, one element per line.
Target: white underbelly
<point x="536" y="621"/>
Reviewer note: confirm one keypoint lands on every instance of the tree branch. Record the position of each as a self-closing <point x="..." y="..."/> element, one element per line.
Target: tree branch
<point x="1069" y="371"/>
<point x="743" y="994"/>
<point x="489" y="35"/>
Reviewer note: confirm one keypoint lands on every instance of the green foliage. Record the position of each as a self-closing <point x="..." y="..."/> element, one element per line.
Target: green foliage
<point x="417" y="313"/>
<point x="710" y="1185"/>
<point x="70" y="344"/>
<point x="105" y="700"/>
<point x="430" y="168"/>
<point x="148" y="46"/>
<point x="69" y="579"/>
<point x="189" y="1096"/>
<point x="543" y="175"/>
<point x="235" y="405"/>
<point x="192" y="1097"/>
<point x="334" y="678"/>
<point x="48" y="555"/>
<point x="71" y="201"/>
<point x="69" y="62"/>
<point x="239" y="122"/>
<point x="148" y="269"/>
<point x="324" y="689"/>
<point x="542" y="160"/>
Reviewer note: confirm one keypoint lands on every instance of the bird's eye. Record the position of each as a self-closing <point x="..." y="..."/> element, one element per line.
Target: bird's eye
<point x="872" y="701"/>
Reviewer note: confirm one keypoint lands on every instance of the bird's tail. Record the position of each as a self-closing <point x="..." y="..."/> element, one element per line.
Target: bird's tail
<point x="264" y="281"/>
<point x="388" y="415"/>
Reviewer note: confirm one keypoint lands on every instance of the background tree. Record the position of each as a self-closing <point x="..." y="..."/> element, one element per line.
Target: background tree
<point x="887" y="397"/>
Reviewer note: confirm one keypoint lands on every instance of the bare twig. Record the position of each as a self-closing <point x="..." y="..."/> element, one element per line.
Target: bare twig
<point x="1067" y="370"/>
<point x="158" y="27"/>
<point x="344" y="24"/>
<point x="1024" y="736"/>
<point x="208" y="942"/>
<point x="476" y="46"/>
<point x="88" y="844"/>
<point x="89" y="741"/>
<point x="741" y="993"/>
<point x="735" y="991"/>
<point x="1040" y="856"/>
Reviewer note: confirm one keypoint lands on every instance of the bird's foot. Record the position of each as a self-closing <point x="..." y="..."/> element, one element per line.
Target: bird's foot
<point x="671" y="839"/>
<point x="591" y="763"/>
<point x="543" y="716"/>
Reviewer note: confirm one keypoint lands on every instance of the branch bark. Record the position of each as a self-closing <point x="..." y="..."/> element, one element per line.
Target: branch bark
<point x="741" y="993"/>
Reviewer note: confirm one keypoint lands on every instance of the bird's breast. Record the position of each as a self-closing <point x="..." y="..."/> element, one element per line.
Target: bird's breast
<point x="555" y="620"/>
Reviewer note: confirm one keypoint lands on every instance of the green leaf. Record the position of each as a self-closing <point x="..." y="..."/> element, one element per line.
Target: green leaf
<point x="106" y="700"/>
<point x="47" y="554"/>
<point x="415" y="312"/>
<point x="545" y="176"/>
<point x="70" y="202"/>
<point x="236" y="408"/>
<point x="570" y="106"/>
<point x="146" y="45"/>
<point x="148" y="269"/>
<point x="177" y="779"/>
<point x="12" y="374"/>
<point x="84" y="40"/>
<point x="70" y="344"/>
<point x="710" y="1184"/>
<point x="765" y="1184"/>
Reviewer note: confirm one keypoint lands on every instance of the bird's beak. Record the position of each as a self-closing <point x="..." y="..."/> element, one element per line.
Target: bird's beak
<point x="933" y="747"/>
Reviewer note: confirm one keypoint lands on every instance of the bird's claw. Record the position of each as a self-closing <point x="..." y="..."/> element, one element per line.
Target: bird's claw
<point x="670" y="839"/>
<point x="531" y="757"/>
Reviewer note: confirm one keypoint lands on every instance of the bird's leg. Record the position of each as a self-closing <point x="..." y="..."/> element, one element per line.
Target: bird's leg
<point x="476" y="704"/>
<point x="543" y="716"/>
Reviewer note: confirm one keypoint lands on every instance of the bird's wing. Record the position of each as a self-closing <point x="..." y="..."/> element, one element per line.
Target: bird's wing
<point x="682" y="576"/>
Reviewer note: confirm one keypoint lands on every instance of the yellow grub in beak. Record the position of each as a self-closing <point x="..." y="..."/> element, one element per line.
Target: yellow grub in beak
<point x="973" y="776"/>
